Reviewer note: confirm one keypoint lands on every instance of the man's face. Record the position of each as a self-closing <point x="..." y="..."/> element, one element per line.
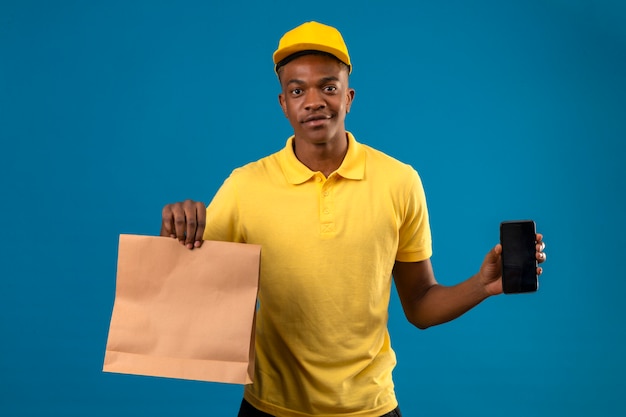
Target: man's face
<point x="316" y="98"/>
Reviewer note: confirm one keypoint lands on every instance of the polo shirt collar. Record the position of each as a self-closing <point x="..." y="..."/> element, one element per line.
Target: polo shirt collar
<point x="352" y="167"/>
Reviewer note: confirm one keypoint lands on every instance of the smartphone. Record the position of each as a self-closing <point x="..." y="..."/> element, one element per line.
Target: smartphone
<point x="519" y="263"/>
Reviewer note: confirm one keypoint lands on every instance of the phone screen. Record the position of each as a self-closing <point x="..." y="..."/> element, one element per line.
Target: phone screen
<point x="519" y="265"/>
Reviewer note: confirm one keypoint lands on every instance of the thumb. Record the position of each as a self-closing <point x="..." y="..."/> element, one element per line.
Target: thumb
<point x="493" y="256"/>
<point x="491" y="263"/>
<point x="491" y="270"/>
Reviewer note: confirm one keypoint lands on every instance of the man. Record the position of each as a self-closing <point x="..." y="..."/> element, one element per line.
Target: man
<point x="336" y="219"/>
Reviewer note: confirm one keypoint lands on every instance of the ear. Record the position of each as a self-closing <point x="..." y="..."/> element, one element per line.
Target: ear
<point x="283" y="103"/>
<point x="349" y="98"/>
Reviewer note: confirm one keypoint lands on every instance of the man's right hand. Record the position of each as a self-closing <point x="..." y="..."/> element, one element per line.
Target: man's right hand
<point x="184" y="221"/>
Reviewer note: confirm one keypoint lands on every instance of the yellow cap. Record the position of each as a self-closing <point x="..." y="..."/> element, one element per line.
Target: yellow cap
<point x="313" y="36"/>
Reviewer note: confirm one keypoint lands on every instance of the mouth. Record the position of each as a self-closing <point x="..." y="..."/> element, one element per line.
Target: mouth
<point x="316" y="120"/>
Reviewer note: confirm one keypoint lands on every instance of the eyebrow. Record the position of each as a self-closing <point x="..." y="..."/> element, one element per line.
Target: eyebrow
<point x="323" y="80"/>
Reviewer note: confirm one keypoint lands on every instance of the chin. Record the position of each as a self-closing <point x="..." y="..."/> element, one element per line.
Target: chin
<point x="319" y="136"/>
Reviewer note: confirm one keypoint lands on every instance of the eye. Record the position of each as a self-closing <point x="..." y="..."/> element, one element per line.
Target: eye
<point x="296" y="91"/>
<point x="330" y="88"/>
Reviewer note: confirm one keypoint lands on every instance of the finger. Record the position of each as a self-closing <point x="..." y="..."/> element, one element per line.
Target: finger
<point x="493" y="257"/>
<point x="191" y="220"/>
<point x="539" y="271"/>
<point x="167" y="221"/>
<point x="201" y="223"/>
<point x="180" y="222"/>
<point x="541" y="246"/>
<point x="541" y="257"/>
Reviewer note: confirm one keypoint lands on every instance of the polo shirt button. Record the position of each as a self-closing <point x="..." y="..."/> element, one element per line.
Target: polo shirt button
<point x="326" y="193"/>
<point x="326" y="211"/>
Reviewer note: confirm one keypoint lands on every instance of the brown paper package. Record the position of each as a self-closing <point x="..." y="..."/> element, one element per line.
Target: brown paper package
<point x="181" y="313"/>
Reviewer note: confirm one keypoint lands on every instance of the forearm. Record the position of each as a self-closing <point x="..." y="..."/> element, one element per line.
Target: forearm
<point x="440" y="304"/>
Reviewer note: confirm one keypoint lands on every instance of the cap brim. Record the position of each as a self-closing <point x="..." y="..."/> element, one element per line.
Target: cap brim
<point x="283" y="53"/>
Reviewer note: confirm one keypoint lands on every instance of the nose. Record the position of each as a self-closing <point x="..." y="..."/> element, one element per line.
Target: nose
<point x="314" y="100"/>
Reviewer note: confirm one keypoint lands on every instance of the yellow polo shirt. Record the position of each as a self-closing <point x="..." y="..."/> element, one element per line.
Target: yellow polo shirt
<point x="328" y="249"/>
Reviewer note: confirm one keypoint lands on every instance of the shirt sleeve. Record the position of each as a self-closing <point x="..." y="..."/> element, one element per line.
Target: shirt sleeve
<point x="222" y="214"/>
<point x="415" y="243"/>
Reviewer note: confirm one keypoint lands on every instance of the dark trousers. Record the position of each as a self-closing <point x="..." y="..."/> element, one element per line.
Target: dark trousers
<point x="247" y="410"/>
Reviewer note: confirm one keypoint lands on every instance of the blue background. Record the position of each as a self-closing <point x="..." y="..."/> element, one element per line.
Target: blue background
<point x="109" y="110"/>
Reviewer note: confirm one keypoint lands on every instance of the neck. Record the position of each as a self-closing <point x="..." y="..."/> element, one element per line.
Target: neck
<point x="325" y="157"/>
